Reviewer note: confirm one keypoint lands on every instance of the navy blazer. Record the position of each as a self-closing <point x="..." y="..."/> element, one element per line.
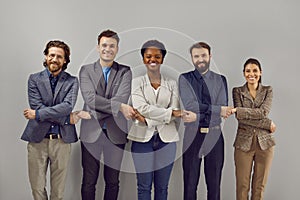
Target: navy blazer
<point x="52" y="108"/>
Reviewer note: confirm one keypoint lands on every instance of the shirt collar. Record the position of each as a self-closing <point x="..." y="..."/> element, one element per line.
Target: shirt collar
<point x="206" y="75"/>
<point x="51" y="76"/>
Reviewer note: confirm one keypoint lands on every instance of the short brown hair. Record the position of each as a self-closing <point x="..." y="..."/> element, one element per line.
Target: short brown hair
<point x="199" y="45"/>
<point x="109" y="33"/>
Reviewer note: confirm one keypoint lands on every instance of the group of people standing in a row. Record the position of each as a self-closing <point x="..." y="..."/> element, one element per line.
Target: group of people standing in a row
<point x="154" y="104"/>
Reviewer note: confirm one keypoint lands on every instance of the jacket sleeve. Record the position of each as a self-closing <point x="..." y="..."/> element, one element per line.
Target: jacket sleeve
<point x="222" y="98"/>
<point x="189" y="98"/>
<point x="252" y="113"/>
<point x="60" y="112"/>
<point x="258" y="123"/>
<point x="57" y="113"/>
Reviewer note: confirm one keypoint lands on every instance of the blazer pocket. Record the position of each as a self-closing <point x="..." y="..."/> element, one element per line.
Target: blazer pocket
<point x="243" y="141"/>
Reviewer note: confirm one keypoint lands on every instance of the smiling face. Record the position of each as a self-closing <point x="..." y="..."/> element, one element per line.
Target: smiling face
<point x="153" y="58"/>
<point x="55" y="59"/>
<point x="108" y="49"/>
<point x="201" y="59"/>
<point x="252" y="73"/>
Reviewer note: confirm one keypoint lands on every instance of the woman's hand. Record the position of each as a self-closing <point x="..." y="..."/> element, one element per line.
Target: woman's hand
<point x="272" y="127"/>
<point x="176" y="113"/>
<point x="139" y="117"/>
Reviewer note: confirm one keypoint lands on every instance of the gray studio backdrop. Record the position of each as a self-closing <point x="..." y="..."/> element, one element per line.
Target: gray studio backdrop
<point x="268" y="30"/>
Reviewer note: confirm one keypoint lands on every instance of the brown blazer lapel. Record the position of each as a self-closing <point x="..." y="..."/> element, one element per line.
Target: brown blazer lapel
<point x="245" y="92"/>
<point x="260" y="96"/>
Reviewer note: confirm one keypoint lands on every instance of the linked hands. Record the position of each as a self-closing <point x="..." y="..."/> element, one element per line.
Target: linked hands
<point x="187" y="116"/>
<point x="77" y="115"/>
<point x="226" y="111"/>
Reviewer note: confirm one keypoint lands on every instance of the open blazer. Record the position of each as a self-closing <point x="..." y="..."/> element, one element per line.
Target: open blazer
<point x="104" y="101"/>
<point x="52" y="108"/>
<point x="252" y="115"/>
<point x="156" y="110"/>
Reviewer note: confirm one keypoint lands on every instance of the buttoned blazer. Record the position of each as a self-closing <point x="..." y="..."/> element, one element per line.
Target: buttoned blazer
<point x="157" y="110"/>
<point x="52" y="108"/>
<point x="103" y="101"/>
<point x="252" y="115"/>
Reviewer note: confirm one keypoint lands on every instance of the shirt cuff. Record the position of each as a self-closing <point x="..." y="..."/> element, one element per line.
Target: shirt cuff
<point x="68" y="120"/>
<point x="37" y="115"/>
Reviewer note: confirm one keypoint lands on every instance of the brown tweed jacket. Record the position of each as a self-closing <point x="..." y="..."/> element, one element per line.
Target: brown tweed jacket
<point x="252" y="116"/>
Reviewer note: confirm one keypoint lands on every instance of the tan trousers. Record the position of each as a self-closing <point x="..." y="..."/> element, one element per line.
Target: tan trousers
<point x="244" y="161"/>
<point x="56" y="153"/>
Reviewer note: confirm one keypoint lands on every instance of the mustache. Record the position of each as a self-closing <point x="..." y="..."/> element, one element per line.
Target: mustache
<point x="54" y="62"/>
<point x="203" y="62"/>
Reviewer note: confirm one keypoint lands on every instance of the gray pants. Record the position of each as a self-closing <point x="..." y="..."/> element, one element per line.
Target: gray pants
<point x="56" y="153"/>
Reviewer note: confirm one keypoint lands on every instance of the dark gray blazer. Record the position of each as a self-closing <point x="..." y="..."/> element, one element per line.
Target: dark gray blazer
<point x="103" y="101"/>
<point x="52" y="108"/>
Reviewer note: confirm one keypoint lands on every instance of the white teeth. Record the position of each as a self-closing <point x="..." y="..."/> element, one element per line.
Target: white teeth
<point x="152" y="64"/>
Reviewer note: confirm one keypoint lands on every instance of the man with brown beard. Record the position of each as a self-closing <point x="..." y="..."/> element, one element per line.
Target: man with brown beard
<point x="203" y="92"/>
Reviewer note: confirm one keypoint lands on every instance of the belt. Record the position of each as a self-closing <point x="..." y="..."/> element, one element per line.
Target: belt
<point x="53" y="136"/>
<point x="206" y="130"/>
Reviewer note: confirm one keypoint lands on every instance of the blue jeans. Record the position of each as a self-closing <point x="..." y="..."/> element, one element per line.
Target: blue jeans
<point x="153" y="162"/>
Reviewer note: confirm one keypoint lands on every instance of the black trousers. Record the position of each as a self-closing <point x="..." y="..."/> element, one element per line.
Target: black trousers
<point x="211" y="149"/>
<point x="112" y="158"/>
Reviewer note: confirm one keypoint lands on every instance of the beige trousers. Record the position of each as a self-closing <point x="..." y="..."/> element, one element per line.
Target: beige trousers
<point x="258" y="160"/>
<point x="56" y="153"/>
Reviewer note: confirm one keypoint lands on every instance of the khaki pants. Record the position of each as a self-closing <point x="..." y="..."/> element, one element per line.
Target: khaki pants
<point x="261" y="162"/>
<point x="57" y="154"/>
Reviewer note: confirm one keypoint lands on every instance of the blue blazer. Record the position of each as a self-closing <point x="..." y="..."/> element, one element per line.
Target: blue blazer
<point x="52" y="108"/>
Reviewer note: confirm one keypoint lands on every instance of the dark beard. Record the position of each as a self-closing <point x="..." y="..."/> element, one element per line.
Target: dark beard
<point x="202" y="69"/>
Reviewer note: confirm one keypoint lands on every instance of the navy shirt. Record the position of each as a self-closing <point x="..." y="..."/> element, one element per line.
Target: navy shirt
<point x="54" y="129"/>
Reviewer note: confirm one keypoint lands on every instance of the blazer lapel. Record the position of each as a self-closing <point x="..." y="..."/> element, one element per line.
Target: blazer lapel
<point x="99" y="77"/>
<point x="44" y="80"/>
<point x="60" y="83"/>
<point x="163" y="93"/>
<point x="245" y="92"/>
<point x="260" y="96"/>
<point x="148" y="91"/>
<point x="113" y="72"/>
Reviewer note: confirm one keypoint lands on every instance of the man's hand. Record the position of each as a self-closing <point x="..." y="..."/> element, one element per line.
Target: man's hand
<point x="29" y="113"/>
<point x="127" y="111"/>
<point x="74" y="117"/>
<point x="84" y="115"/>
<point x="226" y="111"/>
<point x="188" y="116"/>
